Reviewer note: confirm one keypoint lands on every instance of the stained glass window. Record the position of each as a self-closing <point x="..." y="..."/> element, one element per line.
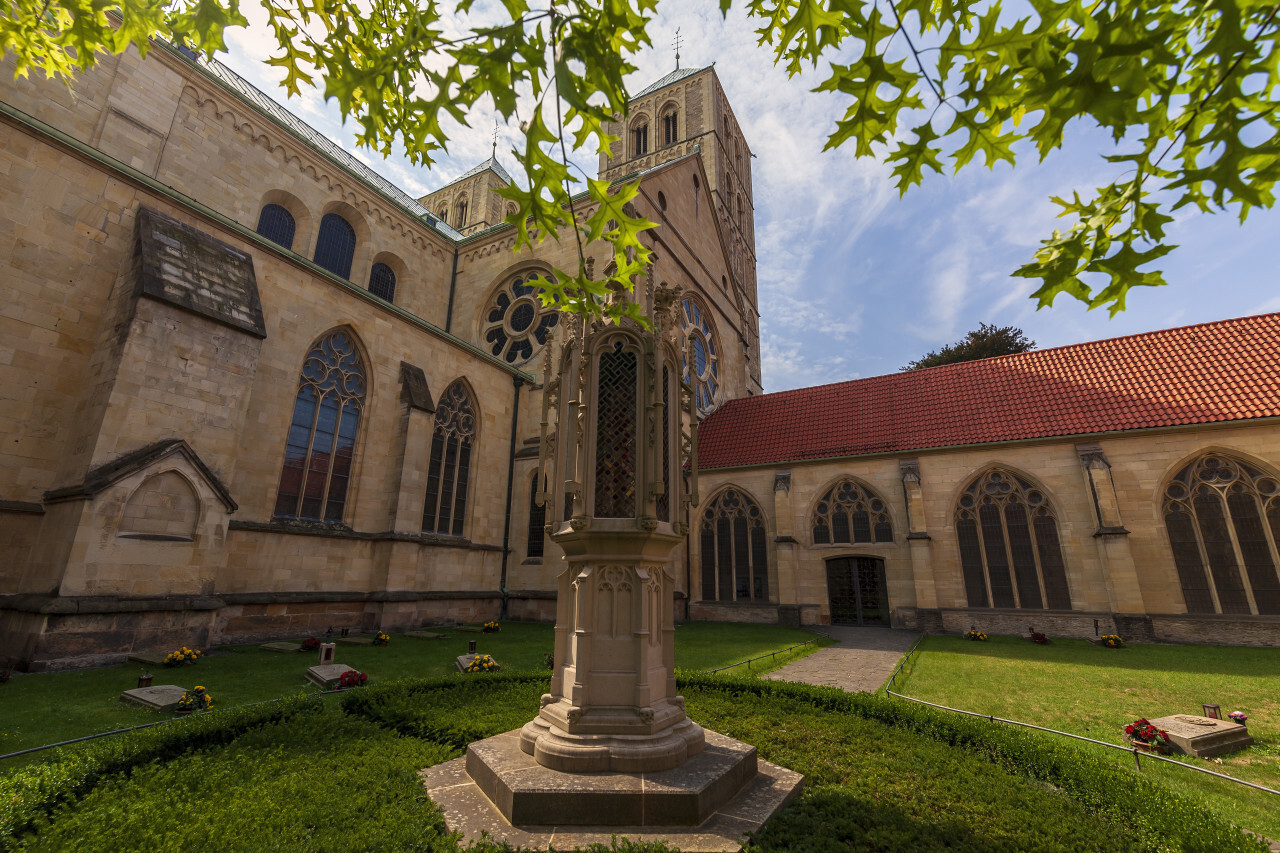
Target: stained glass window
<point x="449" y="468"/>
<point x="1224" y="515"/>
<point x="382" y="282"/>
<point x="336" y="245"/>
<point x="322" y="434"/>
<point x="277" y="225"/>
<point x="517" y="324"/>
<point x="1010" y="555"/>
<point x="734" y="549"/>
<point x="700" y="359"/>
<point x="849" y="513"/>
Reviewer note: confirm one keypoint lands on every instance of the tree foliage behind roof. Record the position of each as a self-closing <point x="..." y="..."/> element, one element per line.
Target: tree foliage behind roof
<point x="1188" y="91"/>
<point x="984" y="342"/>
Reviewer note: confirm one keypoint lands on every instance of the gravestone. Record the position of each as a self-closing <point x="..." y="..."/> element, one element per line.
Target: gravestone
<point x="464" y="661"/>
<point x="356" y="641"/>
<point x="161" y="697"/>
<point x="470" y="629"/>
<point x="1204" y="737"/>
<point x="148" y="658"/>
<point x="424" y="635"/>
<point x="281" y="647"/>
<point x="326" y="653"/>
<point x="327" y="675"/>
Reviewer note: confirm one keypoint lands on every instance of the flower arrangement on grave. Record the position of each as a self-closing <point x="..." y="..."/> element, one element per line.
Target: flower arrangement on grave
<point x="976" y="635"/>
<point x="1141" y="731"/>
<point x="1236" y="716"/>
<point x="1112" y="641"/>
<point x="196" y="699"/>
<point x="1038" y="638"/>
<point x="310" y="644"/>
<point x="4" y="675"/>
<point x="381" y="639"/>
<point x="352" y="678"/>
<point x="550" y="660"/>
<point x="182" y="657"/>
<point x="491" y="627"/>
<point x="482" y="663"/>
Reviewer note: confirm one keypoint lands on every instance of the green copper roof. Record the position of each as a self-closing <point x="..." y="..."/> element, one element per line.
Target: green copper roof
<point x="674" y="77"/>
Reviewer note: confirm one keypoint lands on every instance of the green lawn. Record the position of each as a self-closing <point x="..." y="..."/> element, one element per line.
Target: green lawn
<point x="1074" y="686"/>
<point x="51" y="707"/>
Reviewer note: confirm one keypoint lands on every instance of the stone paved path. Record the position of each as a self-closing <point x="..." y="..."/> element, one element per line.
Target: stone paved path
<point x="863" y="660"/>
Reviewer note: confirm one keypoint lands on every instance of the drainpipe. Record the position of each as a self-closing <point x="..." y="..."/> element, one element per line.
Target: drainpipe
<point x="453" y="283"/>
<point x="511" y="473"/>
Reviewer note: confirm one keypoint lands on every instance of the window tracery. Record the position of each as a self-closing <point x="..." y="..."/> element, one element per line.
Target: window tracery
<point x="849" y="513"/>
<point x="517" y="323"/>
<point x="1224" y="514"/>
<point x="734" y="554"/>
<point x="449" y="471"/>
<point x="322" y="433"/>
<point x="1009" y="548"/>
<point x="699" y="355"/>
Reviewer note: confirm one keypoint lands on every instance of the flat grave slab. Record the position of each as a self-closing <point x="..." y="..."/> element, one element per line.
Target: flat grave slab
<point x="281" y="647"/>
<point x="159" y="697"/>
<point x="148" y="658"/>
<point x="425" y="635"/>
<point x="464" y="661"/>
<point x="1204" y="737"/>
<point x="327" y="675"/>
<point x="356" y="641"/>
<point x="470" y="629"/>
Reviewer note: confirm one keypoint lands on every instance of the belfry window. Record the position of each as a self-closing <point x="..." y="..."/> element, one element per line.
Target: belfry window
<point x="669" y="129"/>
<point x="336" y="245"/>
<point x="734" y="553"/>
<point x="1224" y="515"/>
<point x="449" y="470"/>
<point x="382" y="282"/>
<point x="277" y="225"/>
<point x="1009" y="549"/>
<point x="640" y="140"/>
<point x="322" y="435"/>
<point x="848" y="514"/>
<point x="518" y="323"/>
<point x="460" y="213"/>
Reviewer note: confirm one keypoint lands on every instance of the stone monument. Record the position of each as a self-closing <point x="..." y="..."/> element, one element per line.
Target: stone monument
<point x="1203" y="737"/>
<point x="611" y="745"/>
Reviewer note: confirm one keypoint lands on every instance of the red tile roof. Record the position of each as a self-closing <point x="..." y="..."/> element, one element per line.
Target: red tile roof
<point x="1208" y="373"/>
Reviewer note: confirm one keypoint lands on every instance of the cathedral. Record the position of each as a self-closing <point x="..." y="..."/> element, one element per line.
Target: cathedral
<point x="252" y="390"/>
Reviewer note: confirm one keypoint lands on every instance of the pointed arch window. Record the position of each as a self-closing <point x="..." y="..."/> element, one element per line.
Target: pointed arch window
<point x="1009" y="549"/>
<point x="460" y="213"/>
<point x="537" y="522"/>
<point x="849" y="514"/>
<point x="322" y="435"/>
<point x="382" y="282"/>
<point x="1224" y="515"/>
<point x="733" y="550"/>
<point x="336" y="245"/>
<point x="449" y="471"/>
<point x="277" y="225"/>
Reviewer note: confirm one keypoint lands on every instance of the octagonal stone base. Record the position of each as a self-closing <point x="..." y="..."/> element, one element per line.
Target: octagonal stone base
<point x="708" y="804"/>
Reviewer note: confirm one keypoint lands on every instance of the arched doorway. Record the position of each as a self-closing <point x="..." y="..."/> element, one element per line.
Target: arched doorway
<point x="856" y="589"/>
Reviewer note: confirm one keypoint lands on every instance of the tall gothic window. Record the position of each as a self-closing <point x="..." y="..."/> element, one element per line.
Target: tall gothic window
<point x="1224" y="514"/>
<point x="1009" y="548"/>
<point x="277" y="225"/>
<point x="322" y="435"/>
<point x="449" y="471"/>
<point x="734" y="554"/>
<point x="537" y="521"/>
<point x="517" y="324"/>
<point x="616" y="423"/>
<point x="382" y="282"/>
<point x="336" y="245"/>
<point x="701" y="363"/>
<point x="848" y="514"/>
<point x="460" y="213"/>
<point x="669" y="129"/>
<point x="640" y="140"/>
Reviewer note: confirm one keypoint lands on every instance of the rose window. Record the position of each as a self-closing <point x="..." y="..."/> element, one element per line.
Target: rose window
<point x="517" y="323"/>
<point x="700" y="361"/>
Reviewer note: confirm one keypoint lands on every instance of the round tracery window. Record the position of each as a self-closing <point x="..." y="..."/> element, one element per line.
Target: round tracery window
<point x="517" y="323"/>
<point x="700" y="360"/>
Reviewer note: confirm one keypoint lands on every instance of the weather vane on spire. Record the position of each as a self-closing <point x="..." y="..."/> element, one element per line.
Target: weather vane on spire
<point x="495" y="139"/>
<point x="678" y="39"/>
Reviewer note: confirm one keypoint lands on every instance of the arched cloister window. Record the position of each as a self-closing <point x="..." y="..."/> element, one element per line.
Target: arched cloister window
<point x="382" y="282"/>
<point x="1225" y="514"/>
<point x="277" y="225"/>
<point x="1004" y="524"/>
<point x="336" y="245"/>
<point x="670" y="130"/>
<point x="537" y="522"/>
<point x="517" y="323"/>
<point x="322" y="435"/>
<point x="701" y="362"/>
<point x="849" y="513"/>
<point x="449" y="471"/>
<point x="734" y="553"/>
<point x="460" y="213"/>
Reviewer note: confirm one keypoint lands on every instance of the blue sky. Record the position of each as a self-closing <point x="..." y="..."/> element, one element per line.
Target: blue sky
<point x="854" y="281"/>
